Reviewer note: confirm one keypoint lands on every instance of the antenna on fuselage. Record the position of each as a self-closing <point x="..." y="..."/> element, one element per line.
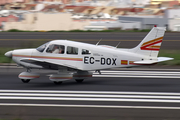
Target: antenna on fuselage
<point x="98" y="42"/>
<point x="118" y="44"/>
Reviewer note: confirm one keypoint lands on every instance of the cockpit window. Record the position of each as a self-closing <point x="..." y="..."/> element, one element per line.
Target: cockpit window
<point x="56" y="49"/>
<point x="42" y="47"/>
<point x="72" y="50"/>
<point x="85" y="52"/>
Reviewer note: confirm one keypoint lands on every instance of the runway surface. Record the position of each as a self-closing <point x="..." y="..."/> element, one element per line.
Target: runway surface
<point x="127" y="39"/>
<point x="144" y="94"/>
<point x="125" y="94"/>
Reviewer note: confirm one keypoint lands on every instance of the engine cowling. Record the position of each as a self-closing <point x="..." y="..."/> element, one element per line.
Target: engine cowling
<point x="28" y="75"/>
<point x="82" y="75"/>
<point x="60" y="77"/>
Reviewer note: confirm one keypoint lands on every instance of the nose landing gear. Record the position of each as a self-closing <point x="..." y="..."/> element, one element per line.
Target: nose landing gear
<point x="81" y="75"/>
<point x="26" y="77"/>
<point x="25" y="80"/>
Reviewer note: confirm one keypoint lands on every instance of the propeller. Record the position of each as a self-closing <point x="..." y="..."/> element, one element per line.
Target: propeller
<point x="9" y="54"/>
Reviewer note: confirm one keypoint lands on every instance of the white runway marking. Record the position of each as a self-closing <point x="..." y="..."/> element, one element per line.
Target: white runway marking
<point x="89" y="96"/>
<point x="91" y="99"/>
<point x="138" y="74"/>
<point x="151" y="97"/>
<point x="89" y="106"/>
<point x="87" y="92"/>
<point x="34" y="97"/>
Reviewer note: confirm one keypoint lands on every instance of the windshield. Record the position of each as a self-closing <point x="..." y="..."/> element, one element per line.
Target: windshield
<point x="42" y="47"/>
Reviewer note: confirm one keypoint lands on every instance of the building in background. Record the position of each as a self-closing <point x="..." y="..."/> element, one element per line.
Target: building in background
<point x="173" y="15"/>
<point x="46" y="15"/>
<point x="142" y="22"/>
<point x="3" y="2"/>
<point x="4" y="20"/>
<point x="155" y="2"/>
<point x="47" y="22"/>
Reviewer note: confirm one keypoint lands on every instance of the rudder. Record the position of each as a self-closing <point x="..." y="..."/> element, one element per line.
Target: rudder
<point x="151" y="44"/>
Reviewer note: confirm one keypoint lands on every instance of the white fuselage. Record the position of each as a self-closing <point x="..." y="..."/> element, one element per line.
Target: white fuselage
<point x="100" y="57"/>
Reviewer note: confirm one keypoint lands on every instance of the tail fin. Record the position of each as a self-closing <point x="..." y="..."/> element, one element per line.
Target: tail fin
<point x="151" y="44"/>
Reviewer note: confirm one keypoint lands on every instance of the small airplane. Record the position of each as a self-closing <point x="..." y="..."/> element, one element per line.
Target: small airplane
<point x="76" y="60"/>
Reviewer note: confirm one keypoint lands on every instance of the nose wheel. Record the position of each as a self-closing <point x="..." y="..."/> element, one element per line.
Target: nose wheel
<point x="25" y="80"/>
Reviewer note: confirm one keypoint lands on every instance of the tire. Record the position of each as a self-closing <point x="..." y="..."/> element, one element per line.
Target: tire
<point x="57" y="83"/>
<point x="25" y="80"/>
<point x="79" y="80"/>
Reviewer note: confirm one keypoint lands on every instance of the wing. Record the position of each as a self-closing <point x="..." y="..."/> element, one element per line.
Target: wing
<point x="47" y="64"/>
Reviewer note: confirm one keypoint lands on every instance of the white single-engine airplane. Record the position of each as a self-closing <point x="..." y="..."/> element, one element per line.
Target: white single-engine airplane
<point x="77" y="60"/>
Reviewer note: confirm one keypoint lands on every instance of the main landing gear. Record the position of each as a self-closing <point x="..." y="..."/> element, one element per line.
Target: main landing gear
<point x="79" y="80"/>
<point x="60" y="77"/>
<point x="81" y="75"/>
<point x="57" y="82"/>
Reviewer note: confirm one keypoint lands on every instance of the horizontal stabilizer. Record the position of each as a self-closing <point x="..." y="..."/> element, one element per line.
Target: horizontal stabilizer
<point x="161" y="59"/>
<point x="149" y="62"/>
<point x="146" y="62"/>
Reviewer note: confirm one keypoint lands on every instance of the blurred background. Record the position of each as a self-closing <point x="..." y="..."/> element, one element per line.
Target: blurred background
<point x="65" y="15"/>
<point x="30" y="23"/>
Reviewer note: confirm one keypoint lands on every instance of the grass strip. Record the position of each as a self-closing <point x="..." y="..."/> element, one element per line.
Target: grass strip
<point x="170" y="53"/>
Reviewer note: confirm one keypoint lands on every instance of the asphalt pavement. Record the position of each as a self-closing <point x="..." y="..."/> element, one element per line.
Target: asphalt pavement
<point x="141" y="94"/>
<point x="126" y="39"/>
<point x="123" y="94"/>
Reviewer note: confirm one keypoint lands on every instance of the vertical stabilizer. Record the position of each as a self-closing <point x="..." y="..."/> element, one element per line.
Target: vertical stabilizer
<point x="151" y="44"/>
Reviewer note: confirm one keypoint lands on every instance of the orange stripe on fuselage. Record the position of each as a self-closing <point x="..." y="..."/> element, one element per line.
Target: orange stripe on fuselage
<point x="47" y="57"/>
<point x="29" y="76"/>
<point x="131" y="63"/>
